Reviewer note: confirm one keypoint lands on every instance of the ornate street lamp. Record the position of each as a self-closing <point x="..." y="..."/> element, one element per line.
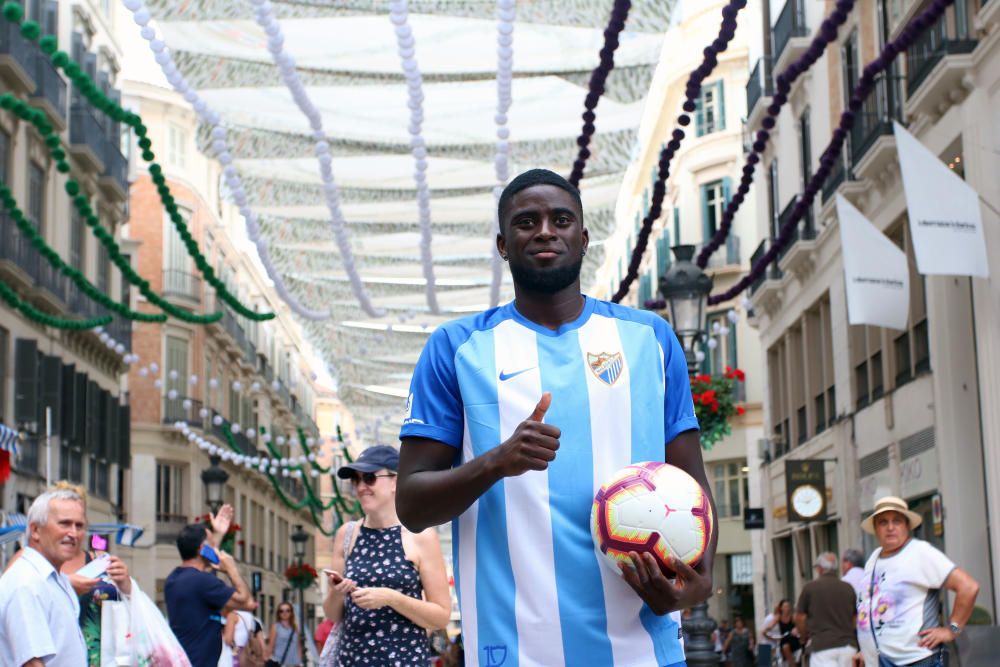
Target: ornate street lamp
<point x="685" y="288"/>
<point x="299" y="540"/>
<point x="214" y="478"/>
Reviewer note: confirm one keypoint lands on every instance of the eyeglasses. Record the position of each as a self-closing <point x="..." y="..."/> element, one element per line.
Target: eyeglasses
<point x="367" y="477"/>
<point x="285" y="611"/>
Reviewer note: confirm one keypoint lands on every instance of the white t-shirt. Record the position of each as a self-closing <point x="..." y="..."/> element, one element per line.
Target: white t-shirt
<point x="770" y="638"/>
<point x="898" y="600"/>
<point x="856" y="578"/>
<point x="243" y="629"/>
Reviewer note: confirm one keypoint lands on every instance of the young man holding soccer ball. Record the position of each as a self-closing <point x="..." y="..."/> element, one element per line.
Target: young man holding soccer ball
<point x="515" y="417"/>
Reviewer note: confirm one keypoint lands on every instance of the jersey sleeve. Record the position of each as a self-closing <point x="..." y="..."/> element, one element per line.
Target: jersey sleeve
<point x="932" y="566"/>
<point x="678" y="407"/>
<point x="434" y="405"/>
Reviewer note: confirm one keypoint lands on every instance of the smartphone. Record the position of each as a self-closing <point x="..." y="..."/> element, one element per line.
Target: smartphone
<point x="96" y="567"/>
<point x="98" y="542"/>
<point x="337" y="577"/>
<point x="208" y="553"/>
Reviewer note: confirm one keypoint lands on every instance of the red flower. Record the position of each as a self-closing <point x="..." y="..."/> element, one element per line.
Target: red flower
<point x="740" y="375"/>
<point x="715" y="407"/>
<point x="740" y="410"/>
<point x="704" y="378"/>
<point x="708" y="397"/>
<point x="696" y="398"/>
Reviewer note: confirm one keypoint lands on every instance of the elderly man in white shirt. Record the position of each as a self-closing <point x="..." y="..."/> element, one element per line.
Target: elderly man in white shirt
<point x="38" y="607"/>
<point x="852" y="565"/>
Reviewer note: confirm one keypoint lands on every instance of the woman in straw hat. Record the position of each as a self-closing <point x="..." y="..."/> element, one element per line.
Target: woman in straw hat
<point x="898" y="607"/>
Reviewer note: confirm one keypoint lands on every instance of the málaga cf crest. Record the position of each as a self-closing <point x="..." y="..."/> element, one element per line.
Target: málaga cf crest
<point x="607" y="367"/>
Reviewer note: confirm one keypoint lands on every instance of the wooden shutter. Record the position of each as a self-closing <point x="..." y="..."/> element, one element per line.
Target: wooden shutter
<point x="51" y="391"/>
<point x="67" y="421"/>
<point x="25" y="381"/>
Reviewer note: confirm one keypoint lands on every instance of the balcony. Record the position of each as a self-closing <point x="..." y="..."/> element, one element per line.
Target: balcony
<point x="772" y="272"/>
<point x="50" y="92"/>
<point x="173" y="411"/>
<point x="181" y="284"/>
<point x="114" y="179"/>
<point x="17" y="58"/>
<point x="872" y="141"/>
<point x="727" y="256"/>
<point x="760" y="85"/>
<point x="86" y="136"/>
<point x="121" y="330"/>
<point x="838" y="174"/>
<point x="938" y="61"/>
<point x="21" y="257"/>
<point x="790" y="35"/>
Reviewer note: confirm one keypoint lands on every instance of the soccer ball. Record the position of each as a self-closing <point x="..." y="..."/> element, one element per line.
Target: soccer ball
<point x="651" y="507"/>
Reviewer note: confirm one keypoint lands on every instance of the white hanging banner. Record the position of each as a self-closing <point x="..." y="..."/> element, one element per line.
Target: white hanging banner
<point x="875" y="271"/>
<point x="946" y="223"/>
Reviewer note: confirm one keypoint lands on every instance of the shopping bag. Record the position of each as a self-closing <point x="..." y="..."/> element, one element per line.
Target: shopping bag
<point x="152" y="643"/>
<point x="115" y="628"/>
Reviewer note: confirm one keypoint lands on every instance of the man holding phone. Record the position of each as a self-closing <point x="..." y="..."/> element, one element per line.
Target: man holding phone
<point x="197" y="601"/>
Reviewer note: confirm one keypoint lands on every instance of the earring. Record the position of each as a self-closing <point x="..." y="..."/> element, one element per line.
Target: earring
<point x="583" y="253"/>
<point x="503" y="257"/>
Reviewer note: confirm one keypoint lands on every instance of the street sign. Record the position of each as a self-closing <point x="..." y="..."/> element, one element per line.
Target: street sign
<point x="753" y="518"/>
<point x="255" y="582"/>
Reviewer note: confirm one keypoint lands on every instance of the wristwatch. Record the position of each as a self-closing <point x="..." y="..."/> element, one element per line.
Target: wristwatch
<point x="955" y="628"/>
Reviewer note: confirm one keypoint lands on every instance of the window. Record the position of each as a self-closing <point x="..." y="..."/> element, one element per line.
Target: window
<point x="849" y="64"/>
<point x="714" y="197"/>
<point x="724" y="353"/>
<point x="36" y="195"/>
<point x="176" y="146"/>
<point x="77" y="239"/>
<point x="663" y="252"/>
<point x="805" y="147"/>
<point x="70" y="463"/>
<point x="176" y="361"/>
<point x="97" y="482"/>
<point x="103" y="269"/>
<point x="710" y="115"/>
<point x="729" y="485"/>
<point x="169" y="493"/>
<point x="177" y="276"/>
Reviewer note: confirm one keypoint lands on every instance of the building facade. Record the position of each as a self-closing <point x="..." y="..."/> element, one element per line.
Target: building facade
<point x="904" y="412"/>
<point x="233" y="372"/>
<point x="71" y="376"/>
<point x="704" y="173"/>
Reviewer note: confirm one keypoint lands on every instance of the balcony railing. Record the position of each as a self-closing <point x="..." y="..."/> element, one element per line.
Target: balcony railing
<point x="121" y="330"/>
<point x="116" y="165"/>
<point x="85" y="130"/>
<point x="181" y="283"/>
<point x="20" y="50"/>
<point x="772" y="272"/>
<point x="950" y="35"/>
<point x="50" y="86"/>
<point x="882" y="106"/>
<point x="791" y="23"/>
<point x="838" y="174"/>
<point x="759" y="84"/>
<point x="174" y="411"/>
<point x="16" y="248"/>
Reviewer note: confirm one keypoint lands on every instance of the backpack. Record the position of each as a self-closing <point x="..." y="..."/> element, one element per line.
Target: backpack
<point x="252" y="655"/>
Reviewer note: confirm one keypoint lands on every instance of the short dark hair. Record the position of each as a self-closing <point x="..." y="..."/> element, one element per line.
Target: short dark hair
<point x="189" y="540"/>
<point x="529" y="179"/>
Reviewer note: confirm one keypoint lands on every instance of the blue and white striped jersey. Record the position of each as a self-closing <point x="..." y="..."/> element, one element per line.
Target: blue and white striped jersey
<point x="531" y="588"/>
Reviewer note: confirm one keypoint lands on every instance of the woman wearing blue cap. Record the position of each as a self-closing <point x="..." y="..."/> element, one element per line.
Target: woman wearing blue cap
<point x="389" y="585"/>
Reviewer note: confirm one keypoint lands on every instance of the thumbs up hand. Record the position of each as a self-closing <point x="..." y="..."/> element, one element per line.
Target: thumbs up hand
<point x="532" y="445"/>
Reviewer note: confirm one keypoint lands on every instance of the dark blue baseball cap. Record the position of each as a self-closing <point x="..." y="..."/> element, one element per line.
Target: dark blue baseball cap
<point x="370" y="460"/>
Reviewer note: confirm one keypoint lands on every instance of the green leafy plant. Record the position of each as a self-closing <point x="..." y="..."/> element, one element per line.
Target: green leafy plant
<point x="714" y="404"/>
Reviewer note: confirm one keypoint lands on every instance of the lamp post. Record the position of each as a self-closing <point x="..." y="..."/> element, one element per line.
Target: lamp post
<point x="685" y="288"/>
<point x="214" y="478"/>
<point x="299" y="540"/>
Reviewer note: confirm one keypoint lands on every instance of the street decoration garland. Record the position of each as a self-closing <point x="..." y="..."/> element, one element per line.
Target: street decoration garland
<point x="82" y="83"/>
<point x="506" y="12"/>
<point x="32" y="313"/>
<point x="727" y="31"/>
<point x="783" y="82"/>
<point x="714" y="404"/>
<point x="405" y="46"/>
<point x="833" y="150"/>
<point x="616" y="24"/>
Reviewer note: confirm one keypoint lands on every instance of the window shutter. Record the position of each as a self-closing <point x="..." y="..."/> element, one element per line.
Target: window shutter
<point x="720" y="122"/>
<point x="663" y="252"/>
<point x="93" y="409"/>
<point x="699" y="117"/>
<point x="80" y="411"/>
<point x="51" y="391"/>
<point x="68" y="413"/>
<point x="113" y="426"/>
<point x="706" y="232"/>
<point x="677" y="226"/>
<point x="124" y="436"/>
<point x="727" y="188"/>
<point x="26" y="381"/>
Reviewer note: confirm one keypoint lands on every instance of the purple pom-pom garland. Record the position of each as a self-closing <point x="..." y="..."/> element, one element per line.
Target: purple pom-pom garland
<point x="786" y="233"/>
<point x="619" y="13"/>
<point x="783" y="83"/>
<point x="692" y="91"/>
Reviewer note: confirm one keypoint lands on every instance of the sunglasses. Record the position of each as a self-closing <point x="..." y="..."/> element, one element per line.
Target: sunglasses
<point x="368" y="478"/>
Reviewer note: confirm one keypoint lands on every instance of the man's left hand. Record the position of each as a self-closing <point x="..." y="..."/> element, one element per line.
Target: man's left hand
<point x="373" y="598"/>
<point x="690" y="587"/>
<point x="221" y="521"/>
<point x="935" y="636"/>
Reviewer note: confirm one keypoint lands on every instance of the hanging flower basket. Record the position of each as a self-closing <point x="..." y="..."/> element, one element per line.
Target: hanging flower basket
<point x="301" y="576"/>
<point x="714" y="405"/>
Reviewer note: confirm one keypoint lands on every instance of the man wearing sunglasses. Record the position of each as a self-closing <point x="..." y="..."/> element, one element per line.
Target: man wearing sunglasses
<point x="515" y="417"/>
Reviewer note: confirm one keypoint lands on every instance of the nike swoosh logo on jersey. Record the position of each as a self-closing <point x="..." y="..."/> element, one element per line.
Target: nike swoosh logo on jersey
<point x="506" y="376"/>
